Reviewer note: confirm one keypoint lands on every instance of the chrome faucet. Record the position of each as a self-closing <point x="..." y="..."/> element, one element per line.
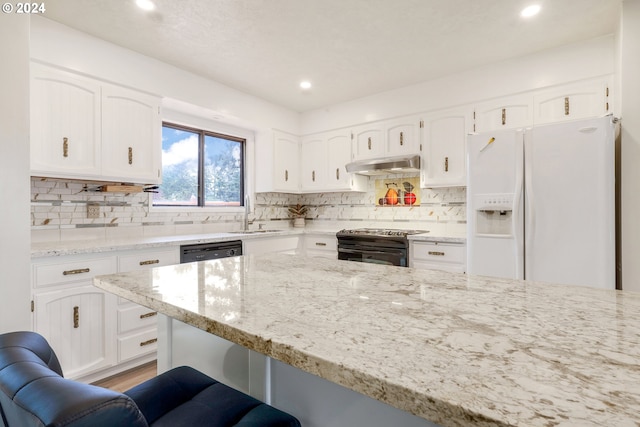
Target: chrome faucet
<point x="246" y="212"/>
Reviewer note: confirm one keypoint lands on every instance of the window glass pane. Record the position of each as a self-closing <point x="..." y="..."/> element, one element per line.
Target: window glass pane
<point x="222" y="171"/>
<point x="179" y="168"/>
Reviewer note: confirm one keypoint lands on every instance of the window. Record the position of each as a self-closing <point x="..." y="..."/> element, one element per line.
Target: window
<point x="200" y="168"/>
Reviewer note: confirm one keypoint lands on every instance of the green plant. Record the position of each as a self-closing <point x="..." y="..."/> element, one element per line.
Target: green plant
<point x="298" y="211"/>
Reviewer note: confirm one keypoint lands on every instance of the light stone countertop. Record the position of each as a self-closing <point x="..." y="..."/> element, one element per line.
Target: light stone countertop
<point x="78" y="247"/>
<point x="455" y="349"/>
<point x="427" y="237"/>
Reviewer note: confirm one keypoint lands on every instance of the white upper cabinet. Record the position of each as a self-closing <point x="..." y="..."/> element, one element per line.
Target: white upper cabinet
<point x="572" y="101"/>
<point x="402" y="136"/>
<point x="339" y="151"/>
<point x="369" y="141"/>
<point x="323" y="160"/>
<point x="286" y="162"/>
<point x="87" y="129"/>
<point x="313" y="164"/>
<point x="389" y="138"/>
<point x="130" y="135"/>
<point x="65" y="124"/>
<point x="444" y="148"/>
<point x="277" y="162"/>
<point x="504" y="113"/>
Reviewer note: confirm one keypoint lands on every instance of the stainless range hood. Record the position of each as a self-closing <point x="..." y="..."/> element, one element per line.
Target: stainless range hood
<point x="385" y="166"/>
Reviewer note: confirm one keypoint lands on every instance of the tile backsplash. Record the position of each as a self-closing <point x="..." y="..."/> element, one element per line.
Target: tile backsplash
<point x="59" y="212"/>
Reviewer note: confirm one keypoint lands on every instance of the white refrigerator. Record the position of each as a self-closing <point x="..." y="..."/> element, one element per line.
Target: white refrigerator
<point x="541" y="203"/>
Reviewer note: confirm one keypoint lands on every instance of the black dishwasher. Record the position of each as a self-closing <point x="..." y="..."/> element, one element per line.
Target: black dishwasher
<point x="205" y="251"/>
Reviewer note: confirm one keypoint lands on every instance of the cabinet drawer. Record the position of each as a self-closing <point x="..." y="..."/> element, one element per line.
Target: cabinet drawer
<point x="442" y="266"/>
<point x="439" y="252"/>
<point x="135" y="317"/>
<point x="72" y="271"/>
<point x="148" y="259"/>
<point x="321" y="243"/>
<point x="137" y="345"/>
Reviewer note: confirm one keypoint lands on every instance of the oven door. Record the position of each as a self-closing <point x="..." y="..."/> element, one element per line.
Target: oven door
<point x="392" y="256"/>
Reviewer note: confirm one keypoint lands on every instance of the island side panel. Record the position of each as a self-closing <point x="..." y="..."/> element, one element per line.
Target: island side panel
<point x="315" y="401"/>
<point x="180" y="344"/>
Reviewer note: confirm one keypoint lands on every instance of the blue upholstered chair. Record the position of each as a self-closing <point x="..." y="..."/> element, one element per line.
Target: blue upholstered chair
<point x="33" y="392"/>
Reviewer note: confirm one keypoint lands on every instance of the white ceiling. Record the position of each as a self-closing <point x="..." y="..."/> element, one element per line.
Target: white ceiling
<point x="346" y="48"/>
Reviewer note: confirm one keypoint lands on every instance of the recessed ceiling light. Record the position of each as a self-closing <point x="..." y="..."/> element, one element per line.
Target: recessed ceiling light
<point x="305" y="85"/>
<point x="145" y="4"/>
<point x="530" y="11"/>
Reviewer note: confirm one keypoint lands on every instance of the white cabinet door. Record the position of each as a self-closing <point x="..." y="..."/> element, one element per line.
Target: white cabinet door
<point x="131" y="145"/>
<point x="444" y="148"/>
<point x="263" y="245"/>
<point x="574" y="101"/>
<point x="65" y="124"/>
<point x="313" y="155"/>
<point x="79" y="324"/>
<point x="339" y="154"/>
<point x="286" y="162"/>
<point x="369" y="141"/>
<point x="504" y="113"/>
<point x="403" y="136"/>
<point x="390" y="138"/>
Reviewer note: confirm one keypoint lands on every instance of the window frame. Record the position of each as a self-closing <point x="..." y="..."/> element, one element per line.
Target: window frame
<point x="237" y="135"/>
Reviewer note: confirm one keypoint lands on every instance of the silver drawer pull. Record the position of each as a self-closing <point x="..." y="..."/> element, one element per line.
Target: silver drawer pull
<point x="78" y="271"/>
<point x="149" y="342"/>
<point x="144" y="316"/>
<point x="436" y="253"/>
<point x="320" y="244"/>
<point x="150" y="262"/>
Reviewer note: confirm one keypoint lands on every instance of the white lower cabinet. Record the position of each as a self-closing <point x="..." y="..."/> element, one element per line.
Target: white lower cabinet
<point x="435" y="255"/>
<point x="94" y="333"/>
<point x="73" y="315"/>
<point x="75" y="321"/>
<point x="321" y="246"/>
<point x="264" y="245"/>
<point x="137" y="325"/>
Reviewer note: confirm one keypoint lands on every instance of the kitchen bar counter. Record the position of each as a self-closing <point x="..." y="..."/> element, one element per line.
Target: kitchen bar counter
<point x="451" y="348"/>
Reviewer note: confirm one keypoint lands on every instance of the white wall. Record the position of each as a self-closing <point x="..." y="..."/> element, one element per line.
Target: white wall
<point x="578" y="61"/>
<point x="15" y="256"/>
<point x="630" y="82"/>
<point x="58" y="44"/>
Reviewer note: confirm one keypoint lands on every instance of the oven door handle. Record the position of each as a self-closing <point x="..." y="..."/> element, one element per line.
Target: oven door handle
<point x="365" y="252"/>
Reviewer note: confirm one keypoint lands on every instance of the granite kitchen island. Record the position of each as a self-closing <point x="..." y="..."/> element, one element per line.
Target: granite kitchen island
<point x="450" y="348"/>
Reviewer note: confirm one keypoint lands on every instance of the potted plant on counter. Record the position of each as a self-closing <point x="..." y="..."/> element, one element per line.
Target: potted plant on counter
<point x="298" y="212"/>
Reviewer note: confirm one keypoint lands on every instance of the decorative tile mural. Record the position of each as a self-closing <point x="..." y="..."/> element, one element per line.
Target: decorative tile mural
<point x="397" y="192"/>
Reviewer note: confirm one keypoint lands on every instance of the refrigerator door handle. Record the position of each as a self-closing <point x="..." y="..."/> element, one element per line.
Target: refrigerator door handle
<point x="517" y="220"/>
<point x="530" y="220"/>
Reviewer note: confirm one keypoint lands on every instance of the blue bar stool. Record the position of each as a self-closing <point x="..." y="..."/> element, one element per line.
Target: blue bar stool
<point x="33" y="392"/>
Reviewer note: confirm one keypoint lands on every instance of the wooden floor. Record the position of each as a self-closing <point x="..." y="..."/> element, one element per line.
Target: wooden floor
<point x="125" y="380"/>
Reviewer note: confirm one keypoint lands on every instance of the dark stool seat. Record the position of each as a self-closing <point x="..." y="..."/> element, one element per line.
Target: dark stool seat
<point x="34" y="393"/>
